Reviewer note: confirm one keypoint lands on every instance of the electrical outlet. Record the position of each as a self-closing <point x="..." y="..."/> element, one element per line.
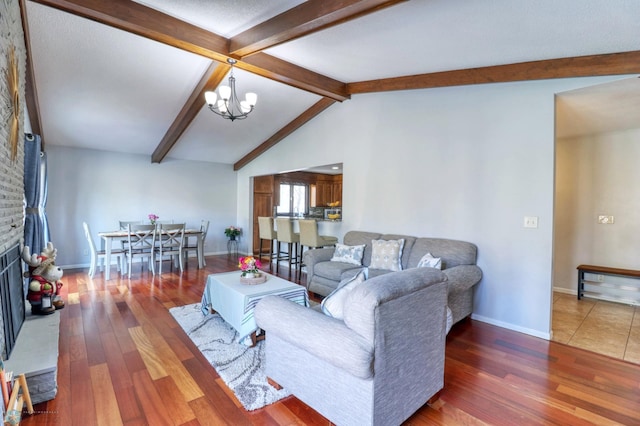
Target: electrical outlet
<point x="531" y="221"/>
<point x="605" y="220"/>
<point x="600" y="278"/>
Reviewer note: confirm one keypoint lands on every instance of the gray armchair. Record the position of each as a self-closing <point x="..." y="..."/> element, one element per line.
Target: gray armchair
<point x="379" y="365"/>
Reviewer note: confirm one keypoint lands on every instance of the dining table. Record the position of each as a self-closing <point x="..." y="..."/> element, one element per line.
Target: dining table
<point x="109" y="236"/>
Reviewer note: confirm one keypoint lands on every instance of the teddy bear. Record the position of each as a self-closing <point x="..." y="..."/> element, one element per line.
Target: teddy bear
<point x="45" y="284"/>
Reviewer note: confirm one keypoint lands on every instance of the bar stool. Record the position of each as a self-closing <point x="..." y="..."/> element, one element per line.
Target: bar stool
<point x="310" y="237"/>
<point x="267" y="232"/>
<point x="286" y="235"/>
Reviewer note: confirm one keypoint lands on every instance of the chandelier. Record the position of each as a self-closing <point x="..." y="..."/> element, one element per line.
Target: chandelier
<point x="229" y="106"/>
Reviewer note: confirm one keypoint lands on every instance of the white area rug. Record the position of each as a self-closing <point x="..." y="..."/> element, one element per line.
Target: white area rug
<point x="241" y="367"/>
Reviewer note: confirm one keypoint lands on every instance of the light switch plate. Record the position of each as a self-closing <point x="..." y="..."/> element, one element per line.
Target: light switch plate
<point x="531" y="221"/>
<point x="605" y="220"/>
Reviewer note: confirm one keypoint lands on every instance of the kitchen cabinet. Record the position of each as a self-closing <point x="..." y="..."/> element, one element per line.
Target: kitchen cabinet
<point x="328" y="190"/>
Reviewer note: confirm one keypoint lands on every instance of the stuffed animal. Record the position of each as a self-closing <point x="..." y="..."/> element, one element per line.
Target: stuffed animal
<point x="45" y="285"/>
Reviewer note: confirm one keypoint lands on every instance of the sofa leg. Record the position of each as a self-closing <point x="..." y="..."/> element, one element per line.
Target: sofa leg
<point x="273" y="383"/>
<point x="435" y="397"/>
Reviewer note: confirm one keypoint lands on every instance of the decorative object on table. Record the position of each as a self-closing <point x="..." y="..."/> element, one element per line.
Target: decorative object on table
<point x="334" y="204"/>
<point x="229" y="106"/>
<point x="153" y="217"/>
<point x="45" y="285"/>
<point x="250" y="272"/>
<point x="232" y="232"/>
<point x="240" y="367"/>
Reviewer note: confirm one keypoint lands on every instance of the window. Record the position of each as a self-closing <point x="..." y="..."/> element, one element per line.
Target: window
<point x="293" y="199"/>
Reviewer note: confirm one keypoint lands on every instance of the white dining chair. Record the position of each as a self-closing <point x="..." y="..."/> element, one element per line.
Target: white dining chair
<point x="204" y="228"/>
<point x="100" y="254"/>
<point x="141" y="241"/>
<point x="170" y="244"/>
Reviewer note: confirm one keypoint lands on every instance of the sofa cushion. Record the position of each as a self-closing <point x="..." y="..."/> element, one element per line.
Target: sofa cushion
<point x="408" y="246"/>
<point x="348" y="254"/>
<point x="452" y="252"/>
<point x="387" y="254"/>
<point x="353" y="238"/>
<point x="428" y="261"/>
<point x="333" y="304"/>
<point x="335" y="270"/>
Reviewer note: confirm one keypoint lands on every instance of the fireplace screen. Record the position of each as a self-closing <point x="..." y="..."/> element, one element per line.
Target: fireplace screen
<point x="11" y="298"/>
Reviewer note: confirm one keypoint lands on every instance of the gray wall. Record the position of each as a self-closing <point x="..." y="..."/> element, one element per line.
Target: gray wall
<point x="103" y="188"/>
<point x="463" y="162"/>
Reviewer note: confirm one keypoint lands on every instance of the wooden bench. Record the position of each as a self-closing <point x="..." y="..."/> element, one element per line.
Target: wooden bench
<point x="603" y="270"/>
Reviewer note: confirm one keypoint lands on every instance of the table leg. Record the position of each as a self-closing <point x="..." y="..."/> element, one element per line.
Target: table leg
<point x="201" y="263"/>
<point x="107" y="258"/>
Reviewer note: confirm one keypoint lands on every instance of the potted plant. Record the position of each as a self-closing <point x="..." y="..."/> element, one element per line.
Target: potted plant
<point x="232" y="232"/>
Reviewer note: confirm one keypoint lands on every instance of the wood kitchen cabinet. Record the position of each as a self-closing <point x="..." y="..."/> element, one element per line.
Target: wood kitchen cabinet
<point x="328" y="190"/>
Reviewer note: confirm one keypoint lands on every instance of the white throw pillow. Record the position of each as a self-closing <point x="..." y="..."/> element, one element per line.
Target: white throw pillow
<point x="348" y="254"/>
<point x="428" y="261"/>
<point x="387" y="254"/>
<point x="333" y="304"/>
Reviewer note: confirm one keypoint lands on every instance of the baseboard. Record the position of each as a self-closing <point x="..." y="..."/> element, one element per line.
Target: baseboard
<point x="114" y="262"/>
<point x="565" y="291"/>
<point x="509" y="326"/>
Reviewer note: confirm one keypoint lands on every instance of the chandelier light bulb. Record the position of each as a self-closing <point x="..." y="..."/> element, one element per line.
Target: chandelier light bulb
<point x="211" y="98"/>
<point x="252" y="98"/>
<point x="225" y="92"/>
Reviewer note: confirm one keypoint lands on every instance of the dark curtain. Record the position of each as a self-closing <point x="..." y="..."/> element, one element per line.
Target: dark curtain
<point x="36" y="227"/>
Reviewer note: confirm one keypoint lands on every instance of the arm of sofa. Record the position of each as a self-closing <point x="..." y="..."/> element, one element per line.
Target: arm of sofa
<point x="324" y="337"/>
<point x="312" y="257"/>
<point x="463" y="277"/>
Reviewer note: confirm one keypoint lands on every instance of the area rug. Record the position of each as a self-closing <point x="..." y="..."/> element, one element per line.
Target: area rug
<point x="241" y="367"/>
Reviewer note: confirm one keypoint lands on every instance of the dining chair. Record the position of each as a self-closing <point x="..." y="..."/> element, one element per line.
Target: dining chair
<point x="267" y="232"/>
<point x="285" y="234"/>
<point x="141" y="240"/>
<point x="204" y="228"/>
<point x="310" y="238"/>
<point x="100" y="254"/>
<point x="170" y="243"/>
<point x="124" y="224"/>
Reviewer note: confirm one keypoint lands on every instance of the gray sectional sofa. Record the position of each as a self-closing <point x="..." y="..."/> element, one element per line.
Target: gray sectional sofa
<point x="376" y="366"/>
<point x="458" y="264"/>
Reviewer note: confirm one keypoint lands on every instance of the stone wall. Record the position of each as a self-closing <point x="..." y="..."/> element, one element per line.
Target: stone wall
<point x="11" y="159"/>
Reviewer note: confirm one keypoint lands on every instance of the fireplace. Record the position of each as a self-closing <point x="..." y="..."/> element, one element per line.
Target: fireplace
<point x="12" y="299"/>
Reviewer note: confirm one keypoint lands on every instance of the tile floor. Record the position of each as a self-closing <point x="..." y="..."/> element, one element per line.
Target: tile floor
<point x="599" y="326"/>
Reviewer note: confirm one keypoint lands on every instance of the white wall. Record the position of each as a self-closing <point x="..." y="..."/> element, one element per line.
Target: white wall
<point x="462" y="162"/>
<point x="596" y="175"/>
<point x="103" y="188"/>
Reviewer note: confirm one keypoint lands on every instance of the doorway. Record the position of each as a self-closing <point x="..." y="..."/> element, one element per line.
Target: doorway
<point x="597" y="135"/>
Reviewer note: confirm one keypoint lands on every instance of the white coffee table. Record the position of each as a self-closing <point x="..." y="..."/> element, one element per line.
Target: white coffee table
<point x="235" y="301"/>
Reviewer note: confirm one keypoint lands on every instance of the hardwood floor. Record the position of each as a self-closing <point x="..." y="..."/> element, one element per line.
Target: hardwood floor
<point x="124" y="360"/>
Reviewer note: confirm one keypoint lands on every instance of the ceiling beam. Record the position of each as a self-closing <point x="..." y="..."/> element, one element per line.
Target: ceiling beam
<point x="209" y="81"/>
<point x="306" y="18"/>
<point x="135" y="18"/>
<point x="298" y="122"/>
<point x="579" y="66"/>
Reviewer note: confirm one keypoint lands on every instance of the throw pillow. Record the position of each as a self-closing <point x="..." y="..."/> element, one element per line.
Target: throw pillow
<point x="333" y="304"/>
<point x="428" y="261"/>
<point x="387" y="254"/>
<point x="348" y="254"/>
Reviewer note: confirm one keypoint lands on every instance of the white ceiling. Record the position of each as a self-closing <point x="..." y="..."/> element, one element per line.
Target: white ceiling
<point x="103" y="88"/>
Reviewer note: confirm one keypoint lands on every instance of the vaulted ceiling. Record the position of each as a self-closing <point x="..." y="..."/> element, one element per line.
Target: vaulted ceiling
<point x="129" y="76"/>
